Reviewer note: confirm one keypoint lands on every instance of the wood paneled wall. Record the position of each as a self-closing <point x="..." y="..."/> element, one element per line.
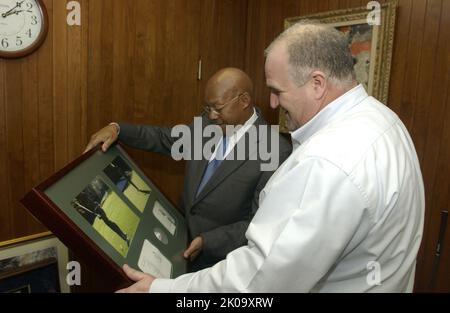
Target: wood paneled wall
<point x="419" y="94"/>
<point x="134" y="61"/>
<point x="142" y="68"/>
<point x="42" y="117"/>
<point x="137" y="61"/>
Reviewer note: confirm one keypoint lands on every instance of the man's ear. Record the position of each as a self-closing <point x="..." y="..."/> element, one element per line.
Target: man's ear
<point x="319" y="82"/>
<point x="245" y="100"/>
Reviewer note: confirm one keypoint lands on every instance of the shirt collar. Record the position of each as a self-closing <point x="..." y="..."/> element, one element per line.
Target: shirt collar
<point x="241" y="130"/>
<point x="335" y="108"/>
<point x="237" y="134"/>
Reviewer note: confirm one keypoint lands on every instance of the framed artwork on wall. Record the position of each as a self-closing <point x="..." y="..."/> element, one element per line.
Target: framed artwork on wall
<point x="371" y="45"/>
<point x="108" y="212"/>
<point x="36" y="266"/>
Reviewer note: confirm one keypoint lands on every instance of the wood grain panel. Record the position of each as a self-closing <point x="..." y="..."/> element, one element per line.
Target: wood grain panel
<point x="30" y="124"/>
<point x="400" y="54"/>
<point x="423" y="126"/>
<point x="333" y="5"/>
<point x="223" y="30"/>
<point x="439" y="202"/>
<point x="435" y="160"/>
<point x="60" y="85"/>
<point x="5" y="212"/>
<point x="100" y="65"/>
<point x="45" y="143"/>
<point x="75" y="63"/>
<point x="410" y="79"/>
<point x="14" y="145"/>
<point x="84" y="71"/>
<point x="123" y="57"/>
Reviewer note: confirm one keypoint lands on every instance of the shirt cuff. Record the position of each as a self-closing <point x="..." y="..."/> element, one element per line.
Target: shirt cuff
<point x="117" y="127"/>
<point x="161" y="285"/>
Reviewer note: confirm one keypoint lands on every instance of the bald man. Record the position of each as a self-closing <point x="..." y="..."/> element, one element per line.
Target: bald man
<point x="218" y="204"/>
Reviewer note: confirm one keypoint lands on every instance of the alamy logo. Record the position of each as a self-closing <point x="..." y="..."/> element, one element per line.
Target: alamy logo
<point x="74" y="15"/>
<point x="73" y="278"/>
<point x="374" y="17"/>
<point x="258" y="143"/>
<point x="374" y="276"/>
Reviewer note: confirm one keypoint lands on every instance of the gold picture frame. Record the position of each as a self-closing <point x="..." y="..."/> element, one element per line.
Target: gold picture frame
<point x="18" y="240"/>
<point x="374" y="45"/>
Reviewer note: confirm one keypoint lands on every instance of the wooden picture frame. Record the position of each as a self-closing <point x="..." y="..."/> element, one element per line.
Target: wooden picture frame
<point x="372" y="49"/>
<point x="108" y="212"/>
<point x="35" y="266"/>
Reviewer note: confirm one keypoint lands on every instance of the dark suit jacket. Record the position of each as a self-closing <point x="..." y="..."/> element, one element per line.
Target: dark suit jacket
<point x="223" y="209"/>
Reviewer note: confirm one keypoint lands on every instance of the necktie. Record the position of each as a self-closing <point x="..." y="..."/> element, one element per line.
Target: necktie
<point x="213" y="164"/>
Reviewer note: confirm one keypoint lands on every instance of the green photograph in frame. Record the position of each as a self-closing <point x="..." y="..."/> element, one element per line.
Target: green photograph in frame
<point x="371" y="45"/>
<point x="108" y="214"/>
<point x="104" y="208"/>
<point x="128" y="182"/>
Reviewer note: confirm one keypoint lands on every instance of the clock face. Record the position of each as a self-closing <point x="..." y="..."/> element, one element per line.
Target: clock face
<point x="21" y="25"/>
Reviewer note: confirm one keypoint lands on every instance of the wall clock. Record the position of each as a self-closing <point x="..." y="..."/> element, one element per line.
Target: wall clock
<point x="23" y="27"/>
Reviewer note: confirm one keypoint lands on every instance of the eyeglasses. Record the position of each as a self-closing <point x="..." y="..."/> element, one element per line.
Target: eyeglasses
<point x="208" y="109"/>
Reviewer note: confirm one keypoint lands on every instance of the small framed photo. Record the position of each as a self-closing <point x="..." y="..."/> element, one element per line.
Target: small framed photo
<point x="36" y="266"/>
<point x="106" y="210"/>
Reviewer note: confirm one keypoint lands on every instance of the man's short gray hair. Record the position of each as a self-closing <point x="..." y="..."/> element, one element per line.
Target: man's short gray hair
<point x="313" y="46"/>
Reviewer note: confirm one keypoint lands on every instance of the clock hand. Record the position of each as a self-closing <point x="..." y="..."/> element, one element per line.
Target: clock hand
<point x="18" y="5"/>
<point x="11" y="13"/>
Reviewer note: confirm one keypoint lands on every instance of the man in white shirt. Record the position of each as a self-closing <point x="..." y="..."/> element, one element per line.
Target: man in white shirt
<point x="344" y="213"/>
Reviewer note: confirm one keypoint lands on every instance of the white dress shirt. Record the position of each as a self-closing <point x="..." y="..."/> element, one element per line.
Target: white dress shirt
<point x="233" y="139"/>
<point x="344" y="213"/>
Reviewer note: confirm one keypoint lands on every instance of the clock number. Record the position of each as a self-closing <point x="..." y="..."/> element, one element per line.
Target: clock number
<point x="29" y="33"/>
<point x="30" y="6"/>
<point x="19" y="41"/>
<point x="5" y="43"/>
<point x="34" y="20"/>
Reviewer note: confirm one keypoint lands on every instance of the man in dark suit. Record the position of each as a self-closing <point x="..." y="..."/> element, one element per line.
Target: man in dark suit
<point x="219" y="197"/>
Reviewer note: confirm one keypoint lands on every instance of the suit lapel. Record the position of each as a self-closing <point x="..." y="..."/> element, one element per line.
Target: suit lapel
<point x="197" y="170"/>
<point x="227" y="167"/>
